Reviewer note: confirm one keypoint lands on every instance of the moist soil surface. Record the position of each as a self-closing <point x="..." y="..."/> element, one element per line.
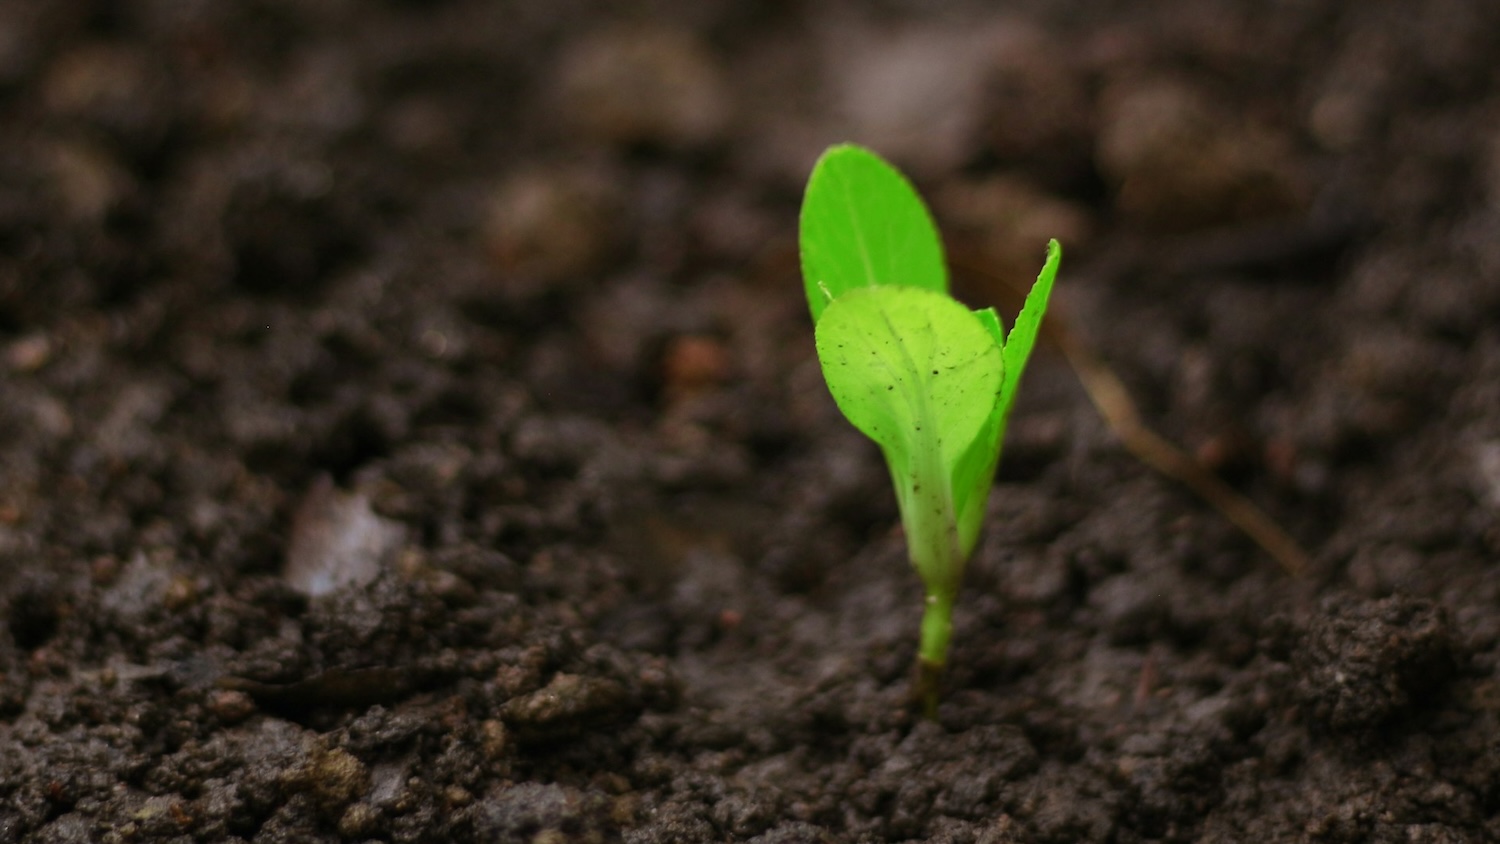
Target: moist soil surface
<point x="410" y="428"/>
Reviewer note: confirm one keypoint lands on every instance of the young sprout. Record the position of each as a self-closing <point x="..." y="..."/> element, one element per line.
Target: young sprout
<point x="929" y="380"/>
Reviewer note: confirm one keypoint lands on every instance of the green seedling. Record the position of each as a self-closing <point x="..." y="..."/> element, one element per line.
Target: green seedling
<point x="929" y="380"/>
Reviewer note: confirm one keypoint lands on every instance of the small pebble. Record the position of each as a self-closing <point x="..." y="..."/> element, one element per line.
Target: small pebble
<point x="566" y="706"/>
<point x="28" y="353"/>
<point x="180" y="593"/>
<point x="231" y="706"/>
<point x="548" y="225"/>
<point x="104" y="569"/>
<point x="495" y="739"/>
<point x="694" y="363"/>
<point x="456" y="797"/>
<point x="334" y="777"/>
<point x="359" y="821"/>
<point x="338" y="541"/>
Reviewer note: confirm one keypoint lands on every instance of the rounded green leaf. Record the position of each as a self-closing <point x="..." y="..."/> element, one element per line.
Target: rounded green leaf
<point x="862" y="225"/>
<point x="913" y="369"/>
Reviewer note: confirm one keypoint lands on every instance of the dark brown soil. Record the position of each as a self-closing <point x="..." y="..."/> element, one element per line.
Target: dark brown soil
<point x="410" y="429"/>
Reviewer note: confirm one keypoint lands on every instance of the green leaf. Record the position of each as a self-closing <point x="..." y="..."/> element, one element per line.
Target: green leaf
<point x="918" y="373"/>
<point x="863" y="225"/>
<point x="1022" y="337"/>
<point x="903" y="361"/>
<point x="976" y="472"/>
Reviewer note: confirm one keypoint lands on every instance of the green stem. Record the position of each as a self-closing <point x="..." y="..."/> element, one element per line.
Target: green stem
<point x="933" y="545"/>
<point x="932" y="654"/>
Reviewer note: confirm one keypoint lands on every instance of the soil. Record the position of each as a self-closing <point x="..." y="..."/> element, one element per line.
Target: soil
<point x="410" y="429"/>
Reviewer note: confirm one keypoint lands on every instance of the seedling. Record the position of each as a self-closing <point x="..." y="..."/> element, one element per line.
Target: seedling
<point x="929" y="380"/>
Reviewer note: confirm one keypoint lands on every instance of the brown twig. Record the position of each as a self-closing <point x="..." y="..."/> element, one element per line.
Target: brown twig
<point x="1114" y="404"/>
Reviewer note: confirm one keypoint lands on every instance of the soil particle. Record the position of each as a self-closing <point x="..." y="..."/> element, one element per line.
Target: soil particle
<point x="1362" y="664"/>
<point x="1132" y="610"/>
<point x="231" y="706"/>
<point x="332" y="776"/>
<point x="551" y="226"/>
<point x="88" y="181"/>
<point x="542" y="813"/>
<point x="959" y="776"/>
<point x="337" y="541"/>
<point x="566" y="706"/>
<point x="1179" y="162"/>
<point x="359" y="821"/>
<point x="643" y="84"/>
<point x="1346" y="104"/>
<point x="120" y="88"/>
<point x="793" y="832"/>
<point x="1173" y="777"/>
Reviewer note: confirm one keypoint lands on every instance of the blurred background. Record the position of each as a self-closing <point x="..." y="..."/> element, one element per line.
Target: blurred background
<point x="365" y="367"/>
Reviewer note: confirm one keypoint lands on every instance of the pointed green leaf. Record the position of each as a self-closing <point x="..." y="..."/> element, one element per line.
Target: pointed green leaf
<point x="863" y="224"/>
<point x="1022" y="337"/>
<point x="976" y="472"/>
